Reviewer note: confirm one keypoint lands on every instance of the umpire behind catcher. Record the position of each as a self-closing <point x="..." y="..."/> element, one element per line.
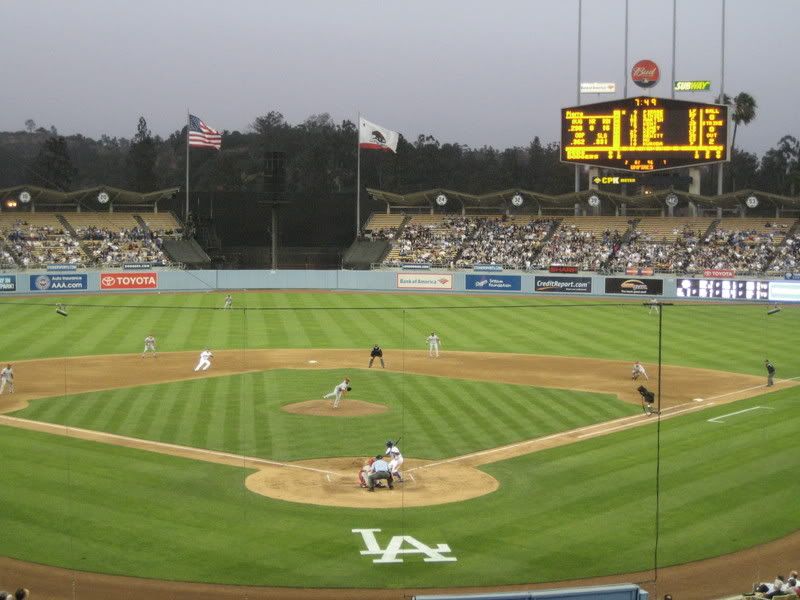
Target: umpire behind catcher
<point x="380" y="470"/>
<point x="376" y="353"/>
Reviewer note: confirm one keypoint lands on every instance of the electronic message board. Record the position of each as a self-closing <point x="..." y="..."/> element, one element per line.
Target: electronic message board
<point x="644" y="134"/>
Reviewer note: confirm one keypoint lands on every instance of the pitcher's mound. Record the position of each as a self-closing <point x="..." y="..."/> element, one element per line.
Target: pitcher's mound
<point x="324" y="408"/>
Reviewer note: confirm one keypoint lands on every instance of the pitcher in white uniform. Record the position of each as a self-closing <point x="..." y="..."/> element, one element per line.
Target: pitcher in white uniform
<point x="339" y="391"/>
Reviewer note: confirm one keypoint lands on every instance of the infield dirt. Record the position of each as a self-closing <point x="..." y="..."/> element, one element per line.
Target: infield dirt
<point x="426" y="483"/>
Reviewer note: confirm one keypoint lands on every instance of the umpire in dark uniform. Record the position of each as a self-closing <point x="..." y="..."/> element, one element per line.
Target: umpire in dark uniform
<point x="770" y="373"/>
<point x="376" y="353"/>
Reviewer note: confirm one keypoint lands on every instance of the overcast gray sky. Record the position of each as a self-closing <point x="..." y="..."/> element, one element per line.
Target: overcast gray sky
<point x="475" y="72"/>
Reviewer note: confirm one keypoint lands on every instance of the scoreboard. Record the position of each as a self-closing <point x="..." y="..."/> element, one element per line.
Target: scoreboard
<point x="644" y="134"/>
<point x="725" y="289"/>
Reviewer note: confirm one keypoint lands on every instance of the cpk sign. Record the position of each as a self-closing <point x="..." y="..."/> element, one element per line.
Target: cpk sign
<point x="645" y="73"/>
<point x="129" y="281"/>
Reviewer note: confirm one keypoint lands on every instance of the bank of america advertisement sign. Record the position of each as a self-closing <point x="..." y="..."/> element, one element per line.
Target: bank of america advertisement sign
<point x="424" y="281"/>
<point x="494" y="283"/>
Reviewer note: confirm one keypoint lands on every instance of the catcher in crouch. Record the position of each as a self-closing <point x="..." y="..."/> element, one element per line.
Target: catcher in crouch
<point x="339" y="391"/>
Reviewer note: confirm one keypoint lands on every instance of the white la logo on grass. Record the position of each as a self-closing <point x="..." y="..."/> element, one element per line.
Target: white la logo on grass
<point x="395" y="547"/>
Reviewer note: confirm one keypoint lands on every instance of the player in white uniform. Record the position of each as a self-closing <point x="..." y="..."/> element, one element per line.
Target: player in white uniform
<point x="638" y="369"/>
<point x="228" y="301"/>
<point x="396" y="460"/>
<point x="433" y="345"/>
<point x="7" y="379"/>
<point x="653" y="307"/>
<point x="205" y="360"/>
<point x="339" y="391"/>
<point x="150" y="346"/>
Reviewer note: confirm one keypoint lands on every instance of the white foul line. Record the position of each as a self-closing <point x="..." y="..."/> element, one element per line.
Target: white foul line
<point x="738" y="412"/>
<point x="91" y="435"/>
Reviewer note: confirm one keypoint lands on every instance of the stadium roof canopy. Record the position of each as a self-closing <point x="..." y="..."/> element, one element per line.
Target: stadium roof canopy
<point x="533" y="201"/>
<point x="87" y="199"/>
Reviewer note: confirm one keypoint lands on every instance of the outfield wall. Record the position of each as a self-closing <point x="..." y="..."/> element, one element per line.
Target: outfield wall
<point x="541" y="284"/>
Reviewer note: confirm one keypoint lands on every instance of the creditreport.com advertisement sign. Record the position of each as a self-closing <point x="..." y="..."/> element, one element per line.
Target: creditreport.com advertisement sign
<point x="129" y="281"/>
<point x="46" y="283"/>
<point x="424" y="281"/>
<point x="491" y="283"/>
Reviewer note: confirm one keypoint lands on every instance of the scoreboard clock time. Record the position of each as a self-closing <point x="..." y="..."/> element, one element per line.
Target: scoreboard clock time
<point x="644" y="134"/>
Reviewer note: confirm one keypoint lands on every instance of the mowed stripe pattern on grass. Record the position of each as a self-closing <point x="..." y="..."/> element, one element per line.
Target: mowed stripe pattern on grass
<point x="576" y="511"/>
<point x="708" y="336"/>
<point x="437" y="417"/>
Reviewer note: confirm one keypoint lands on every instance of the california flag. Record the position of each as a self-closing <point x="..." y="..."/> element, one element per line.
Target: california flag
<point x="375" y="137"/>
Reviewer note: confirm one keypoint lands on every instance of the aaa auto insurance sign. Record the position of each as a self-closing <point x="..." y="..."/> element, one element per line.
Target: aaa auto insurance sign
<point x="129" y="281"/>
<point x="424" y="281"/>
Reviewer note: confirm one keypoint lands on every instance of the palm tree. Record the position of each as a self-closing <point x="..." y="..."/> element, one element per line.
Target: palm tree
<point x="744" y="110"/>
<point x="789" y="149"/>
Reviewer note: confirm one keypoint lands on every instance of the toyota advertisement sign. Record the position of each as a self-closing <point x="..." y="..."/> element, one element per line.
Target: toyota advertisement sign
<point x="494" y="283"/>
<point x="129" y="281"/>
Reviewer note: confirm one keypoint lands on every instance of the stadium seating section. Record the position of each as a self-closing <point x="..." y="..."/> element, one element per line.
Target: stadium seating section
<point x="31" y="240"/>
<point x="665" y="244"/>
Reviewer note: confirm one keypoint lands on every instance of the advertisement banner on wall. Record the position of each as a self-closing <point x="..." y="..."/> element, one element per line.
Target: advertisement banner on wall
<point x="62" y="267"/>
<point x="722" y="273"/>
<point x="8" y="283"/>
<point x="565" y="285"/>
<point x="424" y="281"/>
<point x="639" y="271"/>
<point x="562" y="269"/>
<point x="129" y="281"/>
<point x="44" y="283"/>
<point x="634" y="287"/>
<point x="492" y="283"/>
<point x="784" y="291"/>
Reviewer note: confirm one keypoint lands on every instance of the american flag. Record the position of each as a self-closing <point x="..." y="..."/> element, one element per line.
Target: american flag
<point x="202" y="136"/>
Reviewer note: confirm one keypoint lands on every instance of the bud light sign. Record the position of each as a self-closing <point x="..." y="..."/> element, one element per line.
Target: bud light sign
<point x="494" y="283"/>
<point x="45" y="283"/>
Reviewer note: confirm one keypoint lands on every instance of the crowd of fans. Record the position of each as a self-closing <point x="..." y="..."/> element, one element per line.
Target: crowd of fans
<point x="587" y="250"/>
<point x="42" y="245"/>
<point x="500" y="241"/>
<point x="435" y="244"/>
<point x="33" y="246"/>
<point x="105" y="247"/>
<point x="745" y="250"/>
<point x="463" y="242"/>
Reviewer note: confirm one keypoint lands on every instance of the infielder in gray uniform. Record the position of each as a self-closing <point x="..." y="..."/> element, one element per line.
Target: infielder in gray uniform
<point x="7" y="379"/>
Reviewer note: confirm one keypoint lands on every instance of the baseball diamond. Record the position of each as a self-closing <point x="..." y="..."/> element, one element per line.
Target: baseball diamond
<point x="527" y="426"/>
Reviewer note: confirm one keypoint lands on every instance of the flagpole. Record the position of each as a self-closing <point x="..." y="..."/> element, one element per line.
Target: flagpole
<point x="358" y="177"/>
<point x="188" y="118"/>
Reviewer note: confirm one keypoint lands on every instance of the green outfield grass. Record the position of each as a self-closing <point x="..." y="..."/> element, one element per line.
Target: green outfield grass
<point x="718" y="336"/>
<point x="575" y="511"/>
<point x="438" y="417"/>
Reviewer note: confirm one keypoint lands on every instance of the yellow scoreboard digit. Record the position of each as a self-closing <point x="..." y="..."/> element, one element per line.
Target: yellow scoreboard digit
<point x="644" y="134"/>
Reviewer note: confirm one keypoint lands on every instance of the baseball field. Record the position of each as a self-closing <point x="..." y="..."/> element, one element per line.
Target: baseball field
<point x="528" y="456"/>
